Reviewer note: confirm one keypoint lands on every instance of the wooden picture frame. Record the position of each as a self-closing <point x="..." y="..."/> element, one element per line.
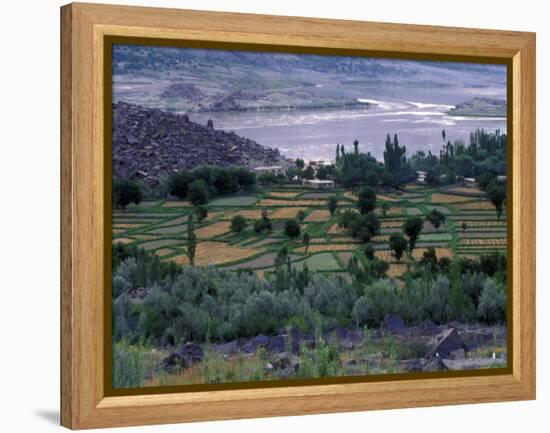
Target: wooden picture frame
<point x="84" y="164"/>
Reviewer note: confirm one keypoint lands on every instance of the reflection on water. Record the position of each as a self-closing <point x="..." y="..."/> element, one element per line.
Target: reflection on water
<point x="313" y="134"/>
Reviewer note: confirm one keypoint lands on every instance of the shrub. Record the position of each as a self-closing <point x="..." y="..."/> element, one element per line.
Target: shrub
<point x="332" y="204"/>
<point x="412" y="228"/>
<point x="292" y="228"/>
<point x="366" y="200"/>
<point x="198" y="192"/>
<point x="398" y="244"/>
<point x="127" y="365"/>
<point x="492" y="303"/>
<point x="126" y="192"/>
<point x="238" y="223"/>
<point x="300" y="215"/>
<point x="360" y="313"/>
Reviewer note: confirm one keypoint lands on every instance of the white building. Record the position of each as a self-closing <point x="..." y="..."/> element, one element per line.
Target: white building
<point x="421" y="176"/>
<point x="470" y="182"/>
<point x="319" y="184"/>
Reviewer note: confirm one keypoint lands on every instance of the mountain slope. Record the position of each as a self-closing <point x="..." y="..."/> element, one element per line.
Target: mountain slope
<point x="151" y="143"/>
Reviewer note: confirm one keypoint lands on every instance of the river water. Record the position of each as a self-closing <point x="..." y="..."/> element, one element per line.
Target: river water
<point x="313" y="134"/>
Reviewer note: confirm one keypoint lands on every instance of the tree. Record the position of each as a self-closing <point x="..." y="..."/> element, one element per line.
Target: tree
<point x="292" y="228"/>
<point x="308" y="173"/>
<point x="372" y="179"/>
<point x="202" y="212"/>
<point x="464" y="226"/>
<point x="497" y="195"/>
<point x="238" y="223"/>
<point x="369" y="252"/>
<point x="436" y="218"/>
<point x="398" y="244"/>
<point x="263" y="224"/>
<point x="364" y="226"/>
<point x="198" y="192"/>
<point x="394" y="157"/>
<point x="178" y="183"/>
<point x="356" y="147"/>
<point x="300" y="163"/>
<point x="431" y="177"/>
<point x="366" y="200"/>
<point x="484" y="180"/>
<point x="412" y="228"/>
<point x="191" y="243"/>
<point x="305" y="240"/>
<point x="224" y="181"/>
<point x="332" y="204"/>
<point x="385" y="207"/>
<point x="300" y="215"/>
<point x="126" y="192"/>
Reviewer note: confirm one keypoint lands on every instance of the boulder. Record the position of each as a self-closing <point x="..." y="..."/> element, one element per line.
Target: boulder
<point x="444" y="343"/>
<point x="191" y="353"/>
<point x="253" y="344"/>
<point x="392" y="323"/>
<point x="458" y="354"/>
<point x="276" y="344"/>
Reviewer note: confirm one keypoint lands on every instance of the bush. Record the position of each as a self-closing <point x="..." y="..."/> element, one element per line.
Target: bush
<point x="360" y="313"/>
<point x="492" y="303"/>
<point x="198" y="192"/>
<point x="126" y="192"/>
<point x="292" y="228"/>
<point x="178" y="183"/>
<point x="238" y="223"/>
<point x="127" y="366"/>
<point x="202" y="212"/>
<point x="263" y="224"/>
<point x="366" y="200"/>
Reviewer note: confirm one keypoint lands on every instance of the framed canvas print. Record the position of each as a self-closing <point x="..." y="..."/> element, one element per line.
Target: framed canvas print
<point x="269" y="216"/>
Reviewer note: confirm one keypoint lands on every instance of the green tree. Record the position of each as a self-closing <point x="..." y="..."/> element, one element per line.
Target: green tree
<point x="308" y="173"/>
<point x="369" y="251"/>
<point x="201" y="212"/>
<point x="191" y="242"/>
<point x="394" y="157"/>
<point x="464" y="226"/>
<point x="497" y="195"/>
<point x="178" y="183"/>
<point x="126" y="192"/>
<point x="372" y="179"/>
<point x="436" y="218"/>
<point x="385" y="206"/>
<point x="263" y="224"/>
<point x="198" y="192"/>
<point x="238" y="223"/>
<point x="412" y="228"/>
<point x="332" y="204"/>
<point x="398" y="244"/>
<point x="364" y="226"/>
<point x="300" y="163"/>
<point x="300" y="215"/>
<point x="306" y="239"/>
<point x="292" y="228"/>
<point x="366" y="200"/>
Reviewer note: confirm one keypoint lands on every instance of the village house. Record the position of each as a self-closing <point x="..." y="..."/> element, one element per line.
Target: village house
<point x="318" y="184"/>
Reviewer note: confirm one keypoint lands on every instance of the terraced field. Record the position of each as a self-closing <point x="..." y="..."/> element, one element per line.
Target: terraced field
<point x="471" y="228"/>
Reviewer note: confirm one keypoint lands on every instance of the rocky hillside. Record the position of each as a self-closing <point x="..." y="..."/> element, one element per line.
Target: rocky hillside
<point x="150" y="143"/>
<point x="481" y="106"/>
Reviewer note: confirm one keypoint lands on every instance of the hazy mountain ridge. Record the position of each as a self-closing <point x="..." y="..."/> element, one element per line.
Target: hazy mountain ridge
<point x="480" y="106"/>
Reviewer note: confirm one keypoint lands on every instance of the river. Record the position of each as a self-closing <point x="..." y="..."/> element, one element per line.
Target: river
<point x="313" y="134"/>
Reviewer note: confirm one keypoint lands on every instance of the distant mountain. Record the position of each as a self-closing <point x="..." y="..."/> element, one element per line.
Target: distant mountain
<point x="480" y="107"/>
<point x="151" y="143"/>
<point x="185" y="80"/>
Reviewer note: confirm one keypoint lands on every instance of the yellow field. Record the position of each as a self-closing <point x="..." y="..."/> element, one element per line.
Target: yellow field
<point x="335" y="229"/>
<point x="122" y="241"/>
<point x="215" y="229"/>
<point x="215" y="253"/>
<point x="252" y="214"/>
<point x="118" y="231"/>
<point x="396" y="270"/>
<point x="163" y="252"/>
<point x="179" y="203"/>
<point x="350" y="195"/>
<point x="286" y="212"/>
<point x="327" y="247"/>
<point x="484" y="242"/>
<point x="482" y="223"/>
<point x="394" y="211"/>
<point x="391" y="224"/>
<point x="388" y="256"/>
<point x="319" y="215"/>
<point x="465" y="190"/>
<point x="386" y="198"/>
<point x="271" y="202"/>
<point x="284" y="194"/>
<point x="449" y="198"/>
<point x="380" y="238"/>
<point x="482" y="205"/>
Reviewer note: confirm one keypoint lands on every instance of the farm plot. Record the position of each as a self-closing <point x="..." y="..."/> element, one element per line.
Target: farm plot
<point x="318" y="248"/>
<point x="396" y="270"/>
<point x="484" y="234"/>
<point x="251" y="214"/>
<point x="264" y="261"/>
<point x="350" y="196"/>
<point x="212" y="230"/>
<point x="391" y="224"/>
<point x="319" y="262"/>
<point x="261" y="242"/>
<point x="242" y="200"/>
<point x="484" y="223"/>
<point x="170" y="230"/>
<point x="142" y="237"/>
<point x="176" y="204"/>
<point x="286" y="212"/>
<point x="412" y="211"/>
<point x="215" y="253"/>
<point x="484" y="242"/>
<point x="123" y="241"/>
<point x="465" y="190"/>
<point x="448" y="198"/>
<point x="285" y="194"/>
<point x="127" y="226"/>
<point x="317" y="195"/>
<point x="335" y="229"/>
<point x="160" y="243"/>
<point x="478" y="205"/>
<point x="345" y="257"/>
<point x="308" y="203"/>
<point x="318" y="215"/>
<point x="435" y="237"/>
<point x="174" y="222"/>
<point x="386" y="198"/>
